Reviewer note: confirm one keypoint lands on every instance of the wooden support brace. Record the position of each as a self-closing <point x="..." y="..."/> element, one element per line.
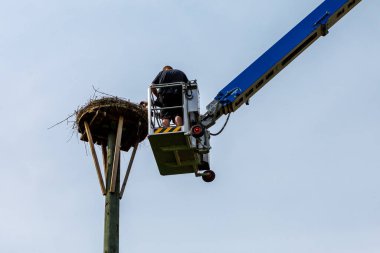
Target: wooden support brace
<point x="128" y="170"/>
<point x="117" y="154"/>
<point x="95" y="158"/>
<point x="104" y="153"/>
<point x="93" y="118"/>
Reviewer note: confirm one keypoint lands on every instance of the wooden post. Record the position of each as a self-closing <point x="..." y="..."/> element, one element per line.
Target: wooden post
<point x="117" y="153"/>
<point x="111" y="215"/>
<point x="128" y="170"/>
<point x="94" y="157"/>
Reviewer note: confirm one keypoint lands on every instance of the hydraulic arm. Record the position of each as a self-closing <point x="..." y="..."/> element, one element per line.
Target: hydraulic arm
<point x="253" y="78"/>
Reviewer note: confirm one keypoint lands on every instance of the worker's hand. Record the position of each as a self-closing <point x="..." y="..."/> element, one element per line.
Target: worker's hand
<point x="144" y="104"/>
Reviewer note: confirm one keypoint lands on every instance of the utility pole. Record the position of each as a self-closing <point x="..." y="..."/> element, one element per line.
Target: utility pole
<point x="112" y="202"/>
<point x="116" y="125"/>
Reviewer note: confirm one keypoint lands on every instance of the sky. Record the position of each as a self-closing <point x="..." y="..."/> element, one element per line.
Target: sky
<point x="296" y="171"/>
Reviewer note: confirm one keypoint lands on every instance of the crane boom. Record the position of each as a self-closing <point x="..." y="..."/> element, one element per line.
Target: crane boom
<point x="255" y="76"/>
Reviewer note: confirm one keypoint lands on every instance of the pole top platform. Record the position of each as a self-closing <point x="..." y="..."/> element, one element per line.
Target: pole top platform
<point x="102" y="115"/>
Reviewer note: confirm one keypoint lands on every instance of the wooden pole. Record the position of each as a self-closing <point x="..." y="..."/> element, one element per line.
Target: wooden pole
<point x="111" y="216"/>
<point x="94" y="157"/>
<point x="117" y="154"/>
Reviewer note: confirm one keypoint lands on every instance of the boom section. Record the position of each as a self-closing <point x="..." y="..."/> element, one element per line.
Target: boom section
<point x="267" y="66"/>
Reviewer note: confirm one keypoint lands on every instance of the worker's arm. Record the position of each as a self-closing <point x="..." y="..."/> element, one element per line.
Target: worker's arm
<point x="154" y="91"/>
<point x="156" y="81"/>
<point x="155" y="102"/>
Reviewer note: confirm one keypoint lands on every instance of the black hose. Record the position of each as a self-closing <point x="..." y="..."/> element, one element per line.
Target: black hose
<point x="221" y="130"/>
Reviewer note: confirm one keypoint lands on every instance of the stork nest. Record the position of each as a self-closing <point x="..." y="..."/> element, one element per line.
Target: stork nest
<point x="103" y="115"/>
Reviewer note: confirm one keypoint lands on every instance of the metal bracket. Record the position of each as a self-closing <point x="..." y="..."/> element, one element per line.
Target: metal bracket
<point x="323" y="23"/>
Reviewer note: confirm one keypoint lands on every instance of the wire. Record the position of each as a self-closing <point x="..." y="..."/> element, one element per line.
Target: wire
<point x="189" y="91"/>
<point x="221" y="130"/>
<point x="189" y="95"/>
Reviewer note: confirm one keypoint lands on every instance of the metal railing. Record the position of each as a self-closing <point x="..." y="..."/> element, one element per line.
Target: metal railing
<point x="155" y="111"/>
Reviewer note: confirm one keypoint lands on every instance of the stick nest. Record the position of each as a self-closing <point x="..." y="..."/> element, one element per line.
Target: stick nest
<point x="103" y="114"/>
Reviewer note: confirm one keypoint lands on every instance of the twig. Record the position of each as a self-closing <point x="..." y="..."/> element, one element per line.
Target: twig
<point x="94" y="97"/>
<point x="103" y="93"/>
<point x="56" y="124"/>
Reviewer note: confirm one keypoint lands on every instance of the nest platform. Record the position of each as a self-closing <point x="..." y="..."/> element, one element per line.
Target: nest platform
<point x="102" y="115"/>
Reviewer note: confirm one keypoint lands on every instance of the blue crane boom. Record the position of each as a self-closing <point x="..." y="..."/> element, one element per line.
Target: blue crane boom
<point x="184" y="148"/>
<point x="255" y="76"/>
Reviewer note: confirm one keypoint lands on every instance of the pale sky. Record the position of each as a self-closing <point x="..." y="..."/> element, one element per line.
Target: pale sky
<point x="297" y="170"/>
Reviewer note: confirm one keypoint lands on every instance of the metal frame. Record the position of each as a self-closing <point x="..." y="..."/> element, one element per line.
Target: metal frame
<point x="191" y="113"/>
<point x="153" y="112"/>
